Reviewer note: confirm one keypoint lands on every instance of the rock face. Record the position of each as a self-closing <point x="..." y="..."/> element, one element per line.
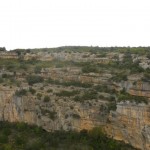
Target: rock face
<point x="8" y="55"/>
<point x="64" y="56"/>
<point x="51" y="116"/>
<point x="131" y="124"/>
<point x="139" y="88"/>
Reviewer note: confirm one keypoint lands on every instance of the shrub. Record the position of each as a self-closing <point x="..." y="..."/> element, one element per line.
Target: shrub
<point x="1" y="80"/>
<point x="76" y="116"/>
<point x="3" y="139"/>
<point x="148" y="55"/>
<point x="88" y="95"/>
<point x="32" y="91"/>
<point x="89" y="68"/>
<point x="19" y="140"/>
<point x="52" y="115"/>
<point x="6" y="131"/>
<point x="41" y="88"/>
<point x="21" y="92"/>
<point x="4" y="75"/>
<point x="30" y="137"/>
<point x="39" y="95"/>
<point x="101" y="97"/>
<point x="77" y="98"/>
<point x="49" y="90"/>
<point x="67" y="93"/>
<point x="112" y="106"/>
<point x="46" y="98"/>
<point x="34" y="79"/>
<point x="146" y="77"/>
<point x="71" y="83"/>
<point x="119" y="77"/>
<point x="23" y="66"/>
<point x="104" y="88"/>
<point x="123" y="96"/>
<point x="37" y="69"/>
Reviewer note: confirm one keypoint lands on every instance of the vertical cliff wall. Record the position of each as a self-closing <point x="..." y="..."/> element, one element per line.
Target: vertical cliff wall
<point x="131" y="123"/>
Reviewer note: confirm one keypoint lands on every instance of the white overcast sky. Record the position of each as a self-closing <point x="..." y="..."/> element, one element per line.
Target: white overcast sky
<point x="53" y="23"/>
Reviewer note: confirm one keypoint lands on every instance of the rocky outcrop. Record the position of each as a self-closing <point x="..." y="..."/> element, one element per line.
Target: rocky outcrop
<point x="131" y="123"/>
<point x="8" y="55"/>
<point x="53" y="115"/>
<point x="137" y="88"/>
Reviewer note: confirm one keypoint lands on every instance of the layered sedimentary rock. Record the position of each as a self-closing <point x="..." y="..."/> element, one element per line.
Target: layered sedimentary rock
<point x="51" y="116"/>
<point x="137" y="88"/>
<point x="131" y="123"/>
<point x="8" y="55"/>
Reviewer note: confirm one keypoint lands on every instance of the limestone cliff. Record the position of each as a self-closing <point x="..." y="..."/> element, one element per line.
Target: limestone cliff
<point x="51" y="116"/>
<point x="138" y="88"/>
<point x="83" y="87"/>
<point x="130" y="122"/>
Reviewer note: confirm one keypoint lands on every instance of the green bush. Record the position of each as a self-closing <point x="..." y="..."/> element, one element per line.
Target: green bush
<point x="37" y="69"/>
<point x="21" y="92"/>
<point x="6" y="75"/>
<point x="6" y="131"/>
<point x="76" y="116"/>
<point x="49" y="90"/>
<point x="31" y="137"/>
<point x="112" y="106"/>
<point x="123" y="96"/>
<point x="1" y="80"/>
<point x="19" y="140"/>
<point x="119" y="77"/>
<point x="46" y="98"/>
<point x="70" y="83"/>
<point x="88" y="95"/>
<point x="32" y="79"/>
<point x="39" y="95"/>
<point x="146" y="77"/>
<point x="148" y="55"/>
<point x="32" y="91"/>
<point x="51" y="114"/>
<point x="104" y="88"/>
<point x="67" y="93"/>
<point x="3" y="139"/>
<point x="89" y="68"/>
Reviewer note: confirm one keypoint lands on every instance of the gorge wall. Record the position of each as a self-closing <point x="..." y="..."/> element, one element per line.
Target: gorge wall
<point x="129" y="123"/>
<point x="83" y="90"/>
